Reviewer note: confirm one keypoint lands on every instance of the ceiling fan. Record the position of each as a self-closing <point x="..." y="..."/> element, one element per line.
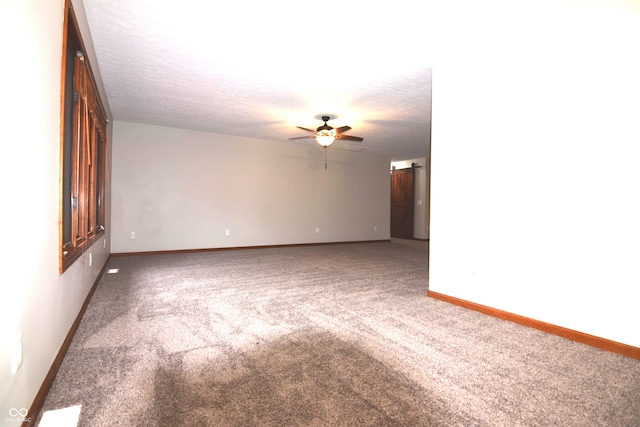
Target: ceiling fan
<point x="325" y="134"/>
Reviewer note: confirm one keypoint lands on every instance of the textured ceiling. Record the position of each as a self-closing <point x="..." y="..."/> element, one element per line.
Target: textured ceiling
<point x="258" y="69"/>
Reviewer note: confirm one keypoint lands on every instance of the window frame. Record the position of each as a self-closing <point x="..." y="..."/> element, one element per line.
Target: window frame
<point x="83" y="149"/>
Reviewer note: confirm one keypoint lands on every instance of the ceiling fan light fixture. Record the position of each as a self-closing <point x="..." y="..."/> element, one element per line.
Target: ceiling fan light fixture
<point x="325" y="138"/>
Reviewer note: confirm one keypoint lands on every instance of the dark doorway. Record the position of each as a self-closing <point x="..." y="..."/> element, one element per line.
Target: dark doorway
<point x="402" y="204"/>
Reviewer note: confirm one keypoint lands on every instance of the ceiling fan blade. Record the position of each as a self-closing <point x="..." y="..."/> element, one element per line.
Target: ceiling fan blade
<point x="343" y="129"/>
<point x="308" y="130"/>
<point x="350" y="138"/>
<point x="302" y="137"/>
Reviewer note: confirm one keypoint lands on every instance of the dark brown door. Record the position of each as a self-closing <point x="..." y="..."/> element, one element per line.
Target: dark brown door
<point x="402" y="183"/>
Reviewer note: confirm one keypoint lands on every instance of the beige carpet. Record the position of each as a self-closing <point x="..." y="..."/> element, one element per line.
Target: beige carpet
<point x="338" y="335"/>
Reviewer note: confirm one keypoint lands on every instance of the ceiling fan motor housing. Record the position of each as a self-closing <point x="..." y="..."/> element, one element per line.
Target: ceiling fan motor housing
<point x="325" y="126"/>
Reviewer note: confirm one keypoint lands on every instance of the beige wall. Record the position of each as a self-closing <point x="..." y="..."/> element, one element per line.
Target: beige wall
<point x="35" y="300"/>
<point x="535" y="148"/>
<point x="181" y="189"/>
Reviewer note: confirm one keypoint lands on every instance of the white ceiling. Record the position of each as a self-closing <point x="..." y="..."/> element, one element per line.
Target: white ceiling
<point x="260" y="68"/>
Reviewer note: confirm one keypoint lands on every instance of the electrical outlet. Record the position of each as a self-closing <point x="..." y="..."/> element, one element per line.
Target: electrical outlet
<point x="227" y="232"/>
<point x="90" y="259"/>
<point x="375" y="228"/>
<point x="317" y="230"/>
<point x="16" y="353"/>
<point x="133" y="235"/>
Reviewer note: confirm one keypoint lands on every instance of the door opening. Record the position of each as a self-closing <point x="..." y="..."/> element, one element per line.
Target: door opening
<point x="402" y="202"/>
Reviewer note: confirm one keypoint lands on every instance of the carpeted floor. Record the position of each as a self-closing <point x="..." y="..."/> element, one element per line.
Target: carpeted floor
<point x="330" y="335"/>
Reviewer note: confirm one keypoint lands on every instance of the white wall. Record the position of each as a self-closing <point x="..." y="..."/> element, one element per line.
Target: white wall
<point x="421" y="195"/>
<point x="181" y="189"/>
<point x="34" y="299"/>
<point x="535" y="150"/>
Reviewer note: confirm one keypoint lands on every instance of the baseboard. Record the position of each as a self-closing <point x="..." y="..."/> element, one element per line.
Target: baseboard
<point x="38" y="401"/>
<point x="236" y="248"/>
<point x="601" y="343"/>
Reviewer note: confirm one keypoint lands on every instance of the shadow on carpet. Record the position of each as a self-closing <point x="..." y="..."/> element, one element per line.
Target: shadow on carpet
<point x="310" y="379"/>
